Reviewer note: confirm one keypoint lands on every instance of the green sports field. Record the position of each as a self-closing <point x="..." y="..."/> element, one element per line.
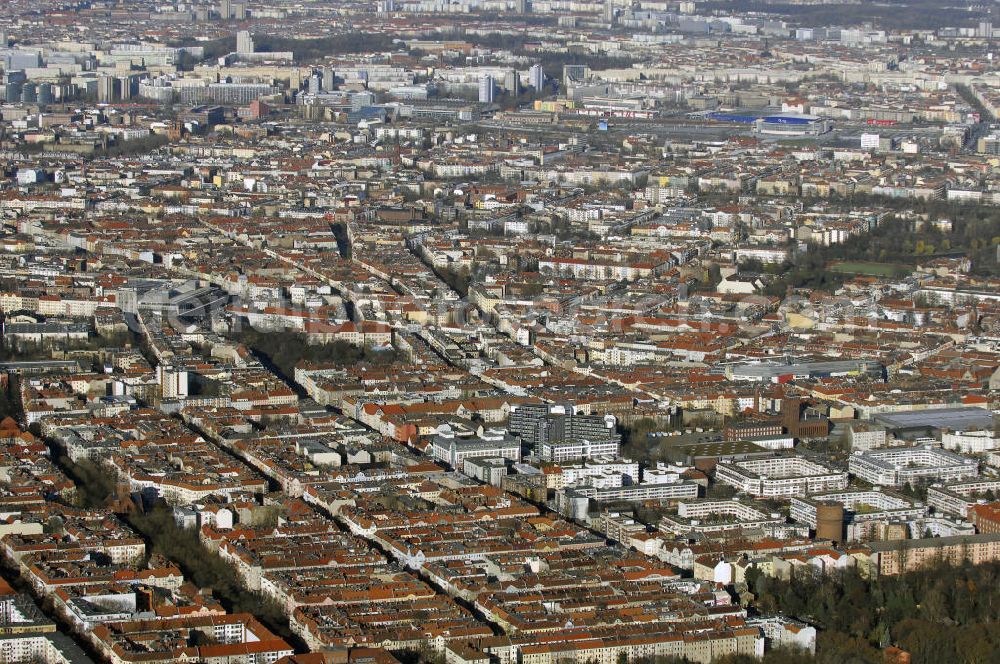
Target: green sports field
<point x="872" y="269"/>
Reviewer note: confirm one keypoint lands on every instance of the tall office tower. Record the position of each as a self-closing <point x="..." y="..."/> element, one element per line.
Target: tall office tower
<point x="14" y="59"/>
<point x="609" y="11"/>
<point x="315" y="84"/>
<point x="487" y="89"/>
<point x="106" y="89"/>
<point x="29" y="93"/>
<point x="521" y="6"/>
<point x="575" y="75"/>
<point x="536" y="76"/>
<point x="512" y="83"/>
<point x="45" y="95"/>
<point x="244" y="42"/>
<point x="328" y="79"/>
<point x="173" y="382"/>
<point x="225" y="9"/>
<point x="127" y="87"/>
<point x="359" y="100"/>
<point x="13" y="85"/>
<point x="553" y="433"/>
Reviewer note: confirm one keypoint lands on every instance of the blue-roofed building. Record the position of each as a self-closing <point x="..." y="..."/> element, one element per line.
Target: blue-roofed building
<point x="367" y="113"/>
<point x="792" y="124"/>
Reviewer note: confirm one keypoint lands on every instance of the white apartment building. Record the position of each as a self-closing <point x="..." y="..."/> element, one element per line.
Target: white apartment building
<point x="866" y="436"/>
<point x="46" y="648"/>
<point x="956" y="498"/>
<point x="970" y="442"/>
<point x="871" y="505"/>
<point x="568" y="450"/>
<point x="636" y="492"/>
<point x="780" y="477"/>
<point x="716" y="516"/>
<point x="908" y="465"/>
<point x="576" y="473"/>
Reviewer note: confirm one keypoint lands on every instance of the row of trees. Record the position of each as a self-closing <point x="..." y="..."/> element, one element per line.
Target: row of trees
<point x="639" y="443"/>
<point x="206" y="569"/>
<point x="312" y="50"/>
<point x="975" y="232"/>
<point x="94" y="486"/>
<point x="897" y="240"/>
<point x="911" y="14"/>
<point x="552" y="62"/>
<point x="304" y="50"/>
<point x="135" y="146"/>
<point x="284" y="350"/>
<point x="458" y="280"/>
<point x="944" y="614"/>
<point x="10" y="405"/>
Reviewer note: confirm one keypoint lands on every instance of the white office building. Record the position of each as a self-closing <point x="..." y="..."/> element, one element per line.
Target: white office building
<point x="494" y="443"/>
<point x="536" y="76"/>
<point x="244" y="42"/>
<point x="487" y="89"/>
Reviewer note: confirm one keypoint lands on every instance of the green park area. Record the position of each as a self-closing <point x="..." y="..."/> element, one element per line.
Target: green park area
<point x="868" y="268"/>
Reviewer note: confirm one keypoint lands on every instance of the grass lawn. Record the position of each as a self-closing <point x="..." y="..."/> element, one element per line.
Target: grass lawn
<point x="872" y="269"/>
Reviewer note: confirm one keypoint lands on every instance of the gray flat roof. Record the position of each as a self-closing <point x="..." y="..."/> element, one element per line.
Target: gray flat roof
<point x="65" y="645"/>
<point x="38" y="364"/>
<point x="938" y="418"/>
<point x="896" y="545"/>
